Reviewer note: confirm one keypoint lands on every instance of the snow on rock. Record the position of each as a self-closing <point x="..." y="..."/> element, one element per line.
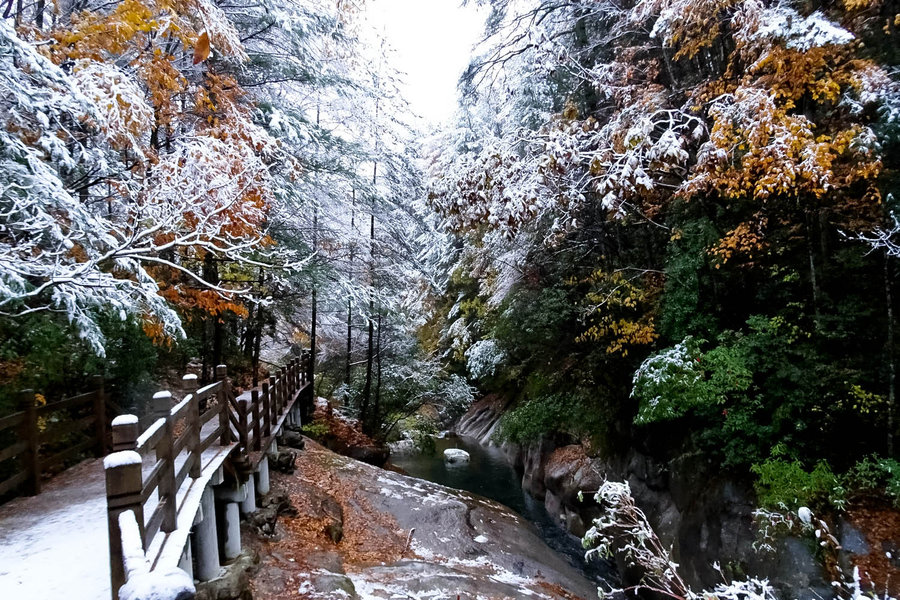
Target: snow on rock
<point x="455" y="455"/>
<point x="120" y="459"/>
<point x="434" y="543"/>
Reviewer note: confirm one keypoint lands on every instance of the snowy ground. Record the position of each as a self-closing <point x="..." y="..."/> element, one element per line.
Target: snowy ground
<point x="54" y="545"/>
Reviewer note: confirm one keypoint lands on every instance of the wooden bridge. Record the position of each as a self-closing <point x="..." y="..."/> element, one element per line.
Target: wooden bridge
<point x="168" y="492"/>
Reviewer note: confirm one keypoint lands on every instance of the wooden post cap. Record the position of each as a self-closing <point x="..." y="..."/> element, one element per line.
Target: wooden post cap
<point x="125" y="432"/>
<point x="162" y="403"/>
<point x="189" y="383"/>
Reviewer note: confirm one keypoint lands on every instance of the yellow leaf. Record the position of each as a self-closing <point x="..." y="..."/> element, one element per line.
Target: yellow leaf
<point x="201" y="50"/>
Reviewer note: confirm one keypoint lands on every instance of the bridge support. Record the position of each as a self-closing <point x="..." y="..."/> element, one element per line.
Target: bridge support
<point x="263" y="476"/>
<point x="248" y="506"/>
<point x="206" y="538"/>
<point x="232" y="542"/>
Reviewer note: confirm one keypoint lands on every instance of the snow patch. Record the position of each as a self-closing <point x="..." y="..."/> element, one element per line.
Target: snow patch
<point x="121" y="459"/>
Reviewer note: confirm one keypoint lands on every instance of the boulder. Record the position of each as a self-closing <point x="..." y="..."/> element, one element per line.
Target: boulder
<point x="233" y="583"/>
<point x="456" y="456"/>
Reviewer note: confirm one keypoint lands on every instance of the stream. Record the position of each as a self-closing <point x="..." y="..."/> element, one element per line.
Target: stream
<point x="489" y="474"/>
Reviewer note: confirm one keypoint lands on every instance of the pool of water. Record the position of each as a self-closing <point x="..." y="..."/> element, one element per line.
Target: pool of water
<point x="489" y="474"/>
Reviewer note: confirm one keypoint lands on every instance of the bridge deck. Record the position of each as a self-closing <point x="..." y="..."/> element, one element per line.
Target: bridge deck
<point x="56" y="544"/>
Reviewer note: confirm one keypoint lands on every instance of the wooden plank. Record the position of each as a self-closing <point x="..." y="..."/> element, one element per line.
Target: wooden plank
<point x="60" y="457"/>
<point x="181" y="442"/>
<point x="12" y="420"/>
<point x="57" y="431"/>
<point x="211" y="439"/>
<point x="179" y="410"/>
<point x="183" y="471"/>
<point x="154" y="523"/>
<point x="29" y="433"/>
<point x="66" y="403"/>
<point x="209" y="390"/>
<point x="209" y="415"/>
<point x="147" y="441"/>
<point x="13" y="450"/>
<point x="13" y="482"/>
<point x="151" y="480"/>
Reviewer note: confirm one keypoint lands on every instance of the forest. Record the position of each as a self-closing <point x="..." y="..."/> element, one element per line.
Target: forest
<point x="661" y="225"/>
<point x="675" y="228"/>
<point x="186" y="183"/>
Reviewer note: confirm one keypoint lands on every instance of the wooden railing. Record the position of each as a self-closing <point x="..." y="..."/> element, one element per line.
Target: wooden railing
<point x="42" y="438"/>
<point x="147" y="472"/>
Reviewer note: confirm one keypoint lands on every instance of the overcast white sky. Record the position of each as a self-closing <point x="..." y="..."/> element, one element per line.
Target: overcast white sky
<point x="433" y="41"/>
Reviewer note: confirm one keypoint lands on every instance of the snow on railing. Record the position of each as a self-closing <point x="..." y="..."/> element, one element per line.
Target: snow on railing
<point x="179" y="436"/>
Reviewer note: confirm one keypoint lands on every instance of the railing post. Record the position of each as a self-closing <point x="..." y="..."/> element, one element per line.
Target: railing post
<point x="257" y="429"/>
<point x="125" y="432"/>
<point x="285" y="388"/>
<point x="100" y="415"/>
<point x="242" y="425"/>
<point x="31" y="456"/>
<point x="267" y="409"/>
<point x="292" y="382"/>
<point x="276" y="413"/>
<point x="165" y="452"/>
<point x="124" y="483"/>
<point x="224" y="408"/>
<point x="189" y="386"/>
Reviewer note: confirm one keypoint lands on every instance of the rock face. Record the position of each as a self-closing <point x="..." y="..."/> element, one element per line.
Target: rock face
<point x="481" y="420"/>
<point x="403" y="537"/>
<point x="703" y="516"/>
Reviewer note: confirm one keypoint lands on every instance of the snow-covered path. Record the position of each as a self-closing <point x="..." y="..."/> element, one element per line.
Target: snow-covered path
<point x="55" y="544"/>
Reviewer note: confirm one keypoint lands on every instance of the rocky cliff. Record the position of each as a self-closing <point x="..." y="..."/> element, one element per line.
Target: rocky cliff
<point x="703" y="516"/>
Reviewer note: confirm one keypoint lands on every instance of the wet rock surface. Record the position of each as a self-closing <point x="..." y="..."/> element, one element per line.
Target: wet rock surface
<point x="402" y="537"/>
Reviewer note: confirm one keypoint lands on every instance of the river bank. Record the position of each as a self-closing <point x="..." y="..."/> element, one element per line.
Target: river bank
<point x="363" y="532"/>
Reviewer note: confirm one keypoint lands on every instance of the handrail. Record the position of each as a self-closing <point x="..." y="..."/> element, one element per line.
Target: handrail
<point x="256" y="418"/>
<point x="31" y="445"/>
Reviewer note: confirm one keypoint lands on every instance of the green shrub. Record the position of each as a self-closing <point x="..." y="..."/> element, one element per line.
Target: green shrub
<point x="548" y="414"/>
<point x="787" y="485"/>
<point x="317" y="429"/>
<point x="876" y="474"/>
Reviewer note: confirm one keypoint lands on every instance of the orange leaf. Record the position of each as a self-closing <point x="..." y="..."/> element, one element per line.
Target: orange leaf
<point x="201" y="50"/>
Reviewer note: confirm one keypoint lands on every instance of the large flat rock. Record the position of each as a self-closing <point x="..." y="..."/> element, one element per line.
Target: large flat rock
<point x="405" y="538"/>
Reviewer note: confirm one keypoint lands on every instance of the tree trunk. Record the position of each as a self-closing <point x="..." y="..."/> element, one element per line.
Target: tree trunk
<point x="260" y="321"/>
<point x="349" y="301"/>
<point x="376" y="409"/>
<point x="889" y="303"/>
<point x="367" y="389"/>
<point x="349" y="340"/>
<point x="813" y="278"/>
<point x="311" y="366"/>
